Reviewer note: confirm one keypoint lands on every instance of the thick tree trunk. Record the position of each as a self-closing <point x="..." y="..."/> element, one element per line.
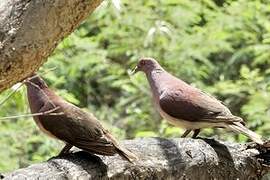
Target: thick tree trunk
<point x="31" y="29"/>
<point x="187" y="158"/>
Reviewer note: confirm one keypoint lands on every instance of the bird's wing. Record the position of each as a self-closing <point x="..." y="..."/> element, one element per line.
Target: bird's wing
<point x="194" y="105"/>
<point x="78" y="128"/>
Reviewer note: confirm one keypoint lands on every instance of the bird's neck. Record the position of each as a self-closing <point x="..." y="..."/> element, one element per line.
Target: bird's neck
<point x="156" y="82"/>
<point x="37" y="97"/>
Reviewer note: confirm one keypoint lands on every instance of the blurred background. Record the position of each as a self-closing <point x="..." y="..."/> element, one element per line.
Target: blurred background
<point x="219" y="46"/>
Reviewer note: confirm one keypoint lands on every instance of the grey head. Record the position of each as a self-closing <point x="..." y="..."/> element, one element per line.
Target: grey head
<point x="147" y="65"/>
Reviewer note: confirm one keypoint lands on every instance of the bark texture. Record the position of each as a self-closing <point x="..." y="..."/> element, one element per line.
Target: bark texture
<point x="31" y="29"/>
<point x="186" y="158"/>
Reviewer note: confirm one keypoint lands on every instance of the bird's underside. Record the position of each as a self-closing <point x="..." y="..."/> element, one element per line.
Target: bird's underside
<point x="189" y="126"/>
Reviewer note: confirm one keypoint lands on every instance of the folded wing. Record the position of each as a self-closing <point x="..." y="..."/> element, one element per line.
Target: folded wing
<point x="195" y="106"/>
<point x="78" y="128"/>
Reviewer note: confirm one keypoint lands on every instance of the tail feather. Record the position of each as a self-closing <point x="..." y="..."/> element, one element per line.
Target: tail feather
<point x="240" y="128"/>
<point x="122" y="151"/>
<point x="126" y="154"/>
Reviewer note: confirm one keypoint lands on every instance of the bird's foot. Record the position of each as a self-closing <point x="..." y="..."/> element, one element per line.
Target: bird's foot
<point x="196" y="133"/>
<point x="186" y="133"/>
<point x="65" y="150"/>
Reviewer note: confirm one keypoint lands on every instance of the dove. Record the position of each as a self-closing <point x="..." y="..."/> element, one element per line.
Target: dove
<point x="187" y="107"/>
<point x="69" y="123"/>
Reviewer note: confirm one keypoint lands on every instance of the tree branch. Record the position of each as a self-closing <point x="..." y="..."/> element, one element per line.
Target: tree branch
<point x="31" y="29"/>
<point x="186" y="158"/>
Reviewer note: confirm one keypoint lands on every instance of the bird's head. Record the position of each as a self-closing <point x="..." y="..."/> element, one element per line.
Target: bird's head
<point x="146" y="65"/>
<point x="36" y="80"/>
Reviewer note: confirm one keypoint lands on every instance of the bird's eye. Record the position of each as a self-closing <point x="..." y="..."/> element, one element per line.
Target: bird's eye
<point x="142" y="62"/>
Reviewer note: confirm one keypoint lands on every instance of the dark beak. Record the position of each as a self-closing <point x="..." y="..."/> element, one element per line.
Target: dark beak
<point x="135" y="70"/>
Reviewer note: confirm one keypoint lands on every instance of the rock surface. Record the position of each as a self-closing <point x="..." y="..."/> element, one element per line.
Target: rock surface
<point x="159" y="159"/>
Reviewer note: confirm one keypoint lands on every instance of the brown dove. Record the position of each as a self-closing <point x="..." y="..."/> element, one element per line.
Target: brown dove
<point x="186" y="106"/>
<point x="69" y="123"/>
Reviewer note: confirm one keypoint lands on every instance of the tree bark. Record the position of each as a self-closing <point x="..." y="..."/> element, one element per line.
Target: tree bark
<point x="159" y="158"/>
<point x="31" y="29"/>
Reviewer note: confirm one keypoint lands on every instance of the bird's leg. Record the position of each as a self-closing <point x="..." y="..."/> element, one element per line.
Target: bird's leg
<point x="186" y="133"/>
<point x="65" y="149"/>
<point x="195" y="133"/>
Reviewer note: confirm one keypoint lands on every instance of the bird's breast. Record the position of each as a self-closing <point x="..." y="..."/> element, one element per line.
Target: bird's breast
<point x="41" y="127"/>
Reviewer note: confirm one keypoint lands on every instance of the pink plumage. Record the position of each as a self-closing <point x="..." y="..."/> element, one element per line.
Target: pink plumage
<point x="186" y="106"/>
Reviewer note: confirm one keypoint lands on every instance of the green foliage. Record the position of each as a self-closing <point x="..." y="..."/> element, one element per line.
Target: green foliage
<point x="219" y="46"/>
